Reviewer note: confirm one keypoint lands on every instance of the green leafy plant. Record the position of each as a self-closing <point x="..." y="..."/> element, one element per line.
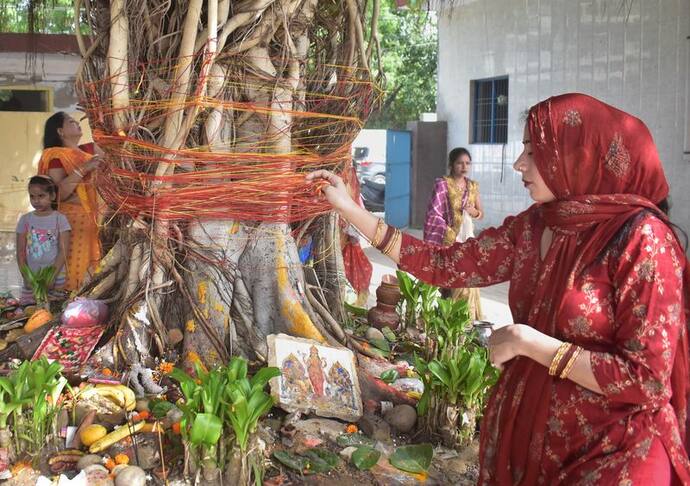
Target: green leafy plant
<point x="418" y="298"/>
<point x="389" y="376"/>
<point x="219" y="400"/>
<point x="312" y="461"/>
<point x="415" y="458"/>
<point x="364" y="458"/>
<point x="12" y="396"/>
<point x="40" y="282"/>
<point x="354" y="440"/>
<point x="451" y="363"/>
<point x="246" y="398"/>
<point x="29" y="395"/>
<point x="46" y="384"/>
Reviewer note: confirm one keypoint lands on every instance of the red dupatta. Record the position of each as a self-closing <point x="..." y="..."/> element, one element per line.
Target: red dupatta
<point x="603" y="167"/>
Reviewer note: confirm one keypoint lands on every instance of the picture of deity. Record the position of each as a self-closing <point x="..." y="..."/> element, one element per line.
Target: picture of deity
<point x="315" y="378"/>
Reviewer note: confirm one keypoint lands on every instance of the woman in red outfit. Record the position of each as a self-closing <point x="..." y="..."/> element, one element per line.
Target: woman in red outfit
<point x="595" y="382"/>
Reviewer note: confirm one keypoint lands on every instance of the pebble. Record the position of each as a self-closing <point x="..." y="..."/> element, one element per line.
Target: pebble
<point x="373" y="333"/>
<point x="346" y="453"/>
<point x="131" y="476"/>
<point x="142" y="405"/>
<point x="97" y="475"/>
<point x="402" y="418"/>
<point x="321" y="427"/>
<point x="375" y="427"/>
<point x="88" y="460"/>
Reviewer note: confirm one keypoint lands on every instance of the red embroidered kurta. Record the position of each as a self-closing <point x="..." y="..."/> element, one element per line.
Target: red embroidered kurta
<point x="626" y="308"/>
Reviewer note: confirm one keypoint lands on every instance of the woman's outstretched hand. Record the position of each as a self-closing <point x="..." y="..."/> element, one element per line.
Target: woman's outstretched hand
<point x="333" y="188"/>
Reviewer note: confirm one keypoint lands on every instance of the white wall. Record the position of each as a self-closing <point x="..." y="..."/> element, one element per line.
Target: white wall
<point x="635" y="58"/>
<point x="55" y="71"/>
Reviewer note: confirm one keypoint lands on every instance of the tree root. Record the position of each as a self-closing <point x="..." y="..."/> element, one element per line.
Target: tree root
<point x="333" y="325"/>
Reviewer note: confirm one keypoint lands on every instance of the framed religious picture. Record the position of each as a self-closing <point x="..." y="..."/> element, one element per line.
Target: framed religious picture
<point x="314" y="378"/>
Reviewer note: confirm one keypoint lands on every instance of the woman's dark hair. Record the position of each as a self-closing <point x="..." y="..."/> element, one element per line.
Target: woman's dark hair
<point x="665" y="206"/>
<point x="51" y="137"/>
<point x="48" y="185"/>
<point x="455" y="154"/>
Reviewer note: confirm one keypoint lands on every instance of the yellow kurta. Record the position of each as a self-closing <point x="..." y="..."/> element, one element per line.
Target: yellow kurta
<point x="456" y="199"/>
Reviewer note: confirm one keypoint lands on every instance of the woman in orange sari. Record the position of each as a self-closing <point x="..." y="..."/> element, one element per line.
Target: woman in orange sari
<point x="70" y="165"/>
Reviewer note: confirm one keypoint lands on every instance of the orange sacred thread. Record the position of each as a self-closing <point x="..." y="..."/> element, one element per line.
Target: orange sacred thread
<point x="245" y="178"/>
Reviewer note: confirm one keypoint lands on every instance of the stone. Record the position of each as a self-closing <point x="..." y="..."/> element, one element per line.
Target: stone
<point x="457" y="467"/>
<point x="131" y="476"/>
<point x="88" y="460"/>
<point x="346" y="453"/>
<point x="142" y="405"/>
<point x="97" y="475"/>
<point x="116" y="470"/>
<point x="402" y="418"/>
<point x="375" y="427"/>
<point x="175" y="337"/>
<point x="147" y="455"/>
<point x="373" y="333"/>
<point x="173" y="416"/>
<point x="320" y="427"/>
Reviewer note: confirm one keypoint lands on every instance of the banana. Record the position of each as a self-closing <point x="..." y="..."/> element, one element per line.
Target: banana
<point x="120" y="395"/>
<point x="128" y="398"/>
<point x="115" y="436"/>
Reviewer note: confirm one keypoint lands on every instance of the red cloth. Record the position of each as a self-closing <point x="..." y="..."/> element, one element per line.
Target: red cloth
<point x="70" y="346"/>
<point x="626" y="303"/>
<point x="358" y="268"/>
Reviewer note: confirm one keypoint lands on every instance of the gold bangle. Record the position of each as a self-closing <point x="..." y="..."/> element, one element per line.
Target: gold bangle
<point x="394" y="240"/>
<point x="376" y="240"/>
<point x="562" y="349"/>
<point x="571" y="362"/>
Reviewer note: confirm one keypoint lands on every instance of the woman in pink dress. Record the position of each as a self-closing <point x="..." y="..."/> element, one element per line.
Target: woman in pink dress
<point x="594" y="382"/>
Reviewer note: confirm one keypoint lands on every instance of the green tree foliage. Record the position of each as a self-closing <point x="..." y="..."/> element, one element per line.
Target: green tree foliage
<point x="409" y="60"/>
<point x="41" y="16"/>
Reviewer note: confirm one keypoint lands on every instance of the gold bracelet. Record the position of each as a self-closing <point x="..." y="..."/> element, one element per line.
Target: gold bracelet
<point x="562" y="349"/>
<point x="394" y="240"/>
<point x="571" y="362"/>
<point x="376" y="240"/>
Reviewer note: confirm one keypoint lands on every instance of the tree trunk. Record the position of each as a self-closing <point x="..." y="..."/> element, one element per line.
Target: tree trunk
<point x="257" y="87"/>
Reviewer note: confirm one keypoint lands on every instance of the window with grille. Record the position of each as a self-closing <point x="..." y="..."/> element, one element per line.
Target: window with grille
<point x="490" y="110"/>
<point x="25" y="99"/>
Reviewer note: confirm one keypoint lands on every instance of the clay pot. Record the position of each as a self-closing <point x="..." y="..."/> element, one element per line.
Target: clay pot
<point x="388" y="294"/>
<point x="383" y="315"/>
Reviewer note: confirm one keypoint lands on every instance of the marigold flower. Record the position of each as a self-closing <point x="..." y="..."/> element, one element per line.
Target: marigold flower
<point x="165" y="367"/>
<point x="351" y="429"/>
<point x="143" y="415"/>
<point x="121" y="459"/>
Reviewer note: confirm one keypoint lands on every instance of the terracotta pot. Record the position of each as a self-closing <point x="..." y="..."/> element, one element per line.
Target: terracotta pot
<point x="383" y="315"/>
<point x="388" y="294"/>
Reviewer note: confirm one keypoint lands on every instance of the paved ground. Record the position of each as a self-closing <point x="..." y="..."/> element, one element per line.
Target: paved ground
<point x="9" y="273"/>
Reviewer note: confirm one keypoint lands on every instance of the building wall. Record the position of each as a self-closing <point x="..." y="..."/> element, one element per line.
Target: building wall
<point x="21" y="132"/>
<point x="633" y="54"/>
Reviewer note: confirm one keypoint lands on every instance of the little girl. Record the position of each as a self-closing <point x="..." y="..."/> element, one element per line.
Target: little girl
<point x="42" y="235"/>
